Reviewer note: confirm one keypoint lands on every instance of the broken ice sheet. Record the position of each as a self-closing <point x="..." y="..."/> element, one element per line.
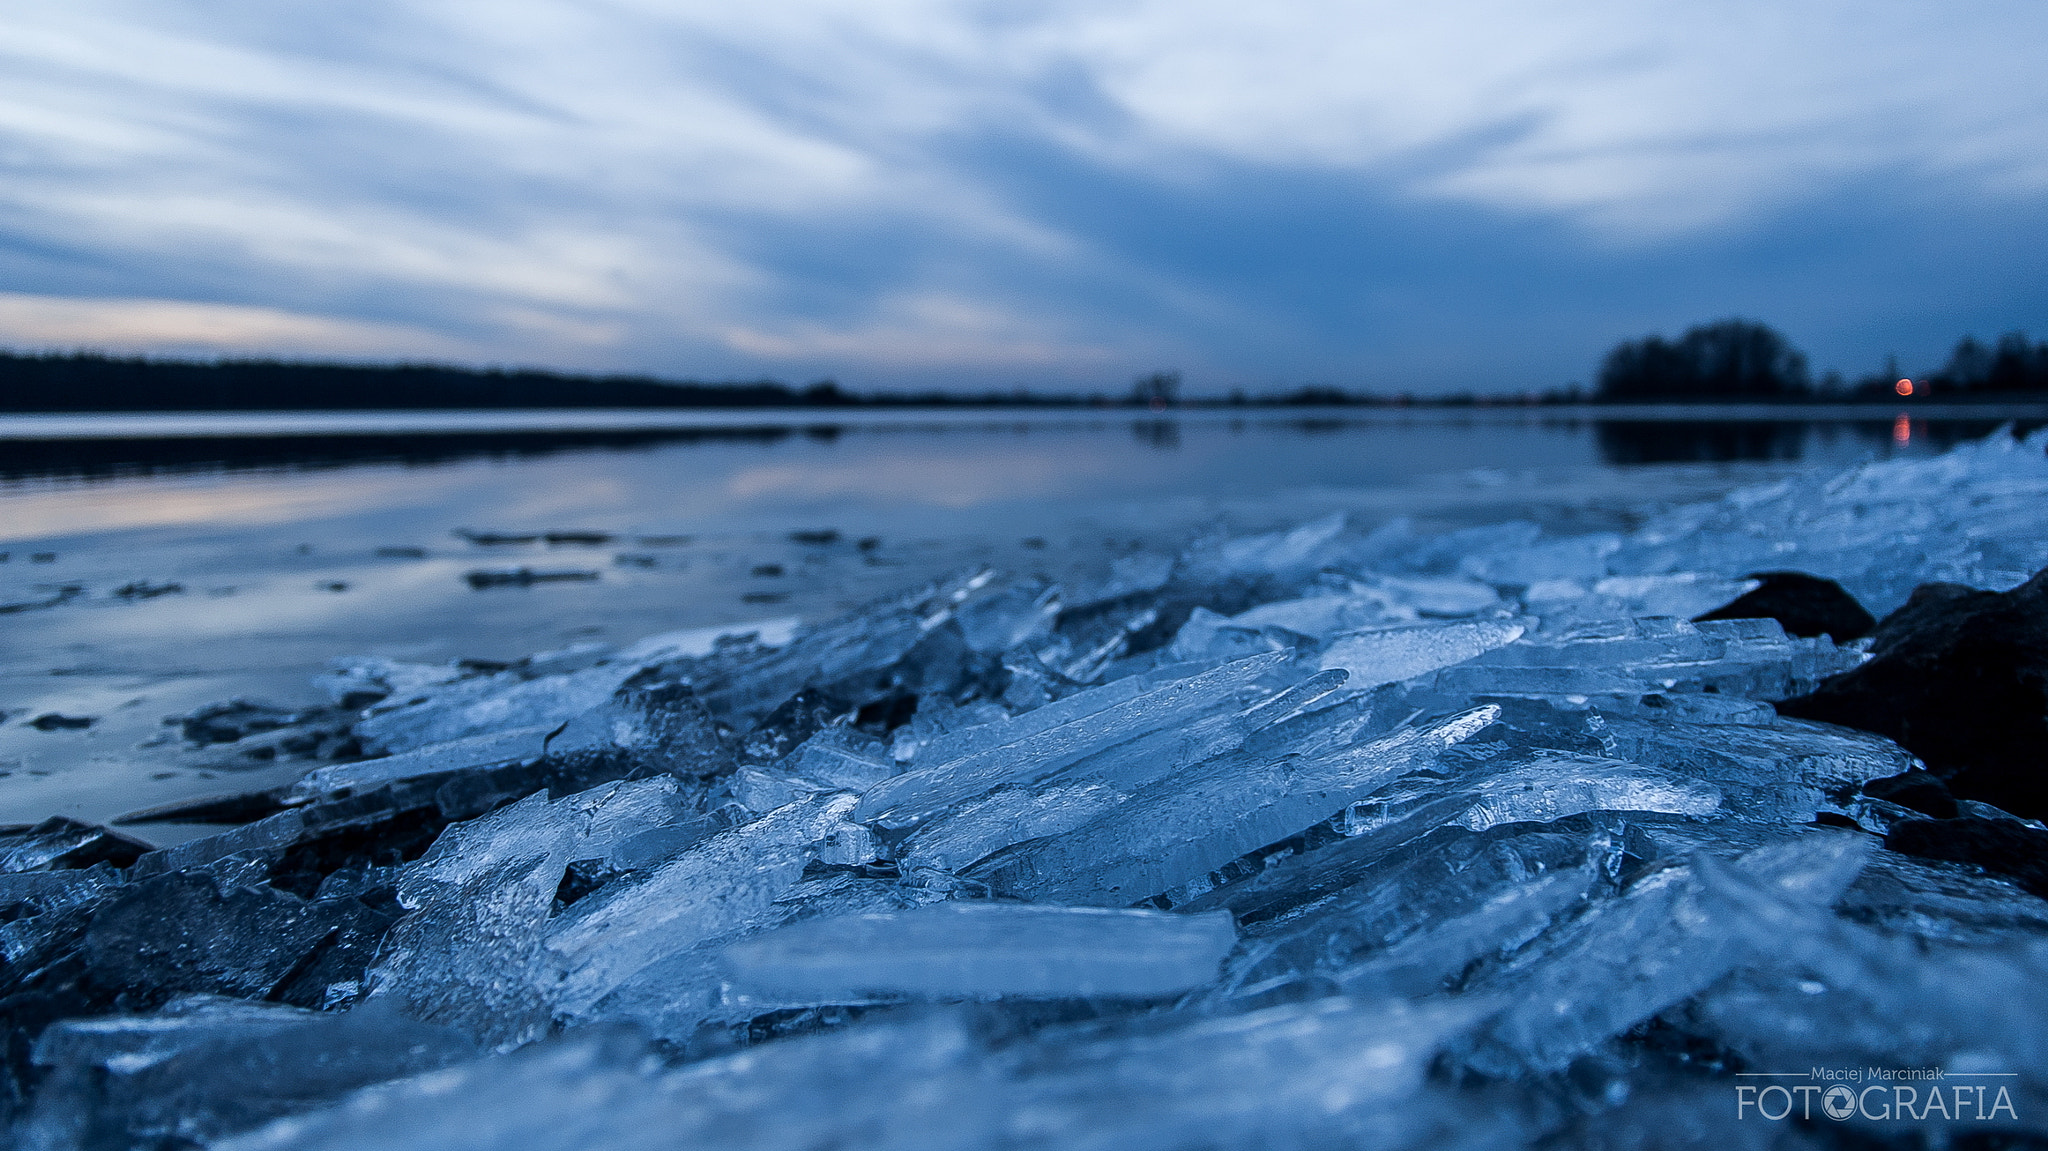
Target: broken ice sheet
<point x="1411" y="916"/>
<point x="725" y="884"/>
<point x="1669" y="935"/>
<point x="1183" y="826"/>
<point x="1042" y="742"/>
<point x="205" y="1067"/>
<point x="491" y="703"/>
<point x="1026" y="809"/>
<point x="1786" y="772"/>
<point x="1332" y="1072"/>
<point x="1535" y="787"/>
<point x="1389" y="655"/>
<point x="912" y="1085"/>
<point x="986" y="951"/>
<point x="58" y="842"/>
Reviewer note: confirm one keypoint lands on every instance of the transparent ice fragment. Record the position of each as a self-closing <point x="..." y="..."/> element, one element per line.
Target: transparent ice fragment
<point x="490" y="704"/>
<point x="1679" y="594"/>
<point x="56" y="890"/>
<point x="1672" y="933"/>
<point x="1544" y="787"/>
<point x="1829" y="990"/>
<point x="1128" y="576"/>
<point x="1439" y="597"/>
<point x="1631" y="658"/>
<point x="1786" y="772"/>
<point x="1015" y="614"/>
<point x="1036" y="745"/>
<point x="724" y="884"/>
<point x="656" y="724"/>
<point x="1276" y="553"/>
<point x="1005" y="816"/>
<point x="204" y="1067"/>
<point x="1457" y="895"/>
<point x="911" y="1086"/>
<point x="368" y="677"/>
<point x="61" y="843"/>
<point x="1579" y="558"/>
<point x="1027" y="809"/>
<point x="1941" y="902"/>
<point x="271" y="833"/>
<point x="1183" y="826"/>
<point x="469" y="955"/>
<point x="833" y="758"/>
<point x="986" y="951"/>
<point x="1389" y="655"/>
<point x="517" y="745"/>
<point x="1327" y="1073"/>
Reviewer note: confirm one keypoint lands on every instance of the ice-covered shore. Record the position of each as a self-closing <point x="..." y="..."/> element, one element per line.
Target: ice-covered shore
<point x="1327" y="837"/>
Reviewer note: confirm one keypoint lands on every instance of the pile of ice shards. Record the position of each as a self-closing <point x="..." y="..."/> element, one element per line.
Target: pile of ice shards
<point x="1320" y="838"/>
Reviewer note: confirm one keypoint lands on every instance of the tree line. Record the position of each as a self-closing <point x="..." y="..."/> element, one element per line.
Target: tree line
<point x="1744" y="360"/>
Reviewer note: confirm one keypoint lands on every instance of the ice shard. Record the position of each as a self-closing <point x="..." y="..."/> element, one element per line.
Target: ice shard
<point x="1037" y="745"/>
<point x="1181" y="827"/>
<point x="1670" y="935"/>
<point x="725" y="884"/>
<point x="986" y="951"/>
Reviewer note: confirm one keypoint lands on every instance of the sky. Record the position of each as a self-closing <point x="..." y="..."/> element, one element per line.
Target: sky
<point x="903" y="194"/>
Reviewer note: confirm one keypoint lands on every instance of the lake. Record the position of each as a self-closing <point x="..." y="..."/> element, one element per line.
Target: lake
<point x="153" y="564"/>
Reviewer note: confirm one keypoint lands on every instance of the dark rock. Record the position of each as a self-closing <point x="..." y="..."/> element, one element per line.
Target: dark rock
<point x="1959" y="678"/>
<point x="233" y="720"/>
<point x="143" y="589"/>
<point x="767" y="570"/>
<point x="2003" y="846"/>
<point x="51" y="721"/>
<point x="818" y="538"/>
<point x="1803" y="605"/>
<point x="524" y="577"/>
<point x="586" y="539"/>
<point x="497" y="539"/>
<point x="59" y="842"/>
<point x="1919" y="790"/>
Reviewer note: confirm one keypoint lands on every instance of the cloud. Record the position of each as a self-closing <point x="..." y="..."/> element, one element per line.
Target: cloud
<point x="901" y="191"/>
<point x="117" y="325"/>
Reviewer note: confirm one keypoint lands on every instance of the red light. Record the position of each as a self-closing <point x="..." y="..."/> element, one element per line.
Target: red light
<point x="1902" y="430"/>
<point x="1903" y="387"/>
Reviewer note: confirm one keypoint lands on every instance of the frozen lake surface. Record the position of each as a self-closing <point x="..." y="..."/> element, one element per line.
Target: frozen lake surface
<point x="192" y="558"/>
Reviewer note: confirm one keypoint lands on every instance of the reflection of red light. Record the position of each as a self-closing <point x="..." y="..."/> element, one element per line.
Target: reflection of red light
<point x="1903" y="387"/>
<point x="1902" y="429"/>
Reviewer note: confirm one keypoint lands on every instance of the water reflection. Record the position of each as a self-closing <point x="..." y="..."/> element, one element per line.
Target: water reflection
<point x="1163" y="434"/>
<point x="1320" y="448"/>
<point x="77" y="458"/>
<point x="1704" y="441"/>
<point x="1625" y="442"/>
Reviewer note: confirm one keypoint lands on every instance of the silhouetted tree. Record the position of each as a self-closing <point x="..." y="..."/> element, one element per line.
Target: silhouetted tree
<point x="1158" y="390"/>
<point x="1728" y="360"/>
<point x="2014" y="365"/>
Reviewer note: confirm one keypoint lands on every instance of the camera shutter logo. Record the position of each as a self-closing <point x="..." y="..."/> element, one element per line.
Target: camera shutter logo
<point x="1839" y="1102"/>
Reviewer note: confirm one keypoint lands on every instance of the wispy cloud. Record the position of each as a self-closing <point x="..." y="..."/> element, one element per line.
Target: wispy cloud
<point x="144" y="325"/>
<point x="915" y="191"/>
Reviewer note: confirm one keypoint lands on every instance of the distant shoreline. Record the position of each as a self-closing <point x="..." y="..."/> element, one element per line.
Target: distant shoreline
<point x="47" y="426"/>
<point x="78" y="384"/>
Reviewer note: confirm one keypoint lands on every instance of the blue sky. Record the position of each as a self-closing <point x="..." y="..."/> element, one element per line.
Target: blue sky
<point x="1470" y="194"/>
